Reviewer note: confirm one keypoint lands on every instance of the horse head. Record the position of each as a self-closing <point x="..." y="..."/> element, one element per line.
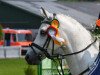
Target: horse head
<point x="44" y="36"/>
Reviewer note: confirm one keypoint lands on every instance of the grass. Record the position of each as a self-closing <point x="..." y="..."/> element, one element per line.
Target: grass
<point x="13" y="66"/>
<point x="18" y="67"/>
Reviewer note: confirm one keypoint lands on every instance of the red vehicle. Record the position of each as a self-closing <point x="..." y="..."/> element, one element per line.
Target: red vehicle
<point x="12" y="37"/>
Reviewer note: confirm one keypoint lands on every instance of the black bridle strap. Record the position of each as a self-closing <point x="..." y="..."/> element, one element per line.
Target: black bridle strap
<point x="42" y="49"/>
<point x="47" y="42"/>
<point x="53" y="47"/>
<point x="60" y="63"/>
<point x="81" y="50"/>
<point x="38" y="47"/>
<point x="47" y="45"/>
<point x="30" y="45"/>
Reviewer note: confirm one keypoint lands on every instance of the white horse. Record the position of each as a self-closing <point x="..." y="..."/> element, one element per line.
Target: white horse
<point x="77" y="39"/>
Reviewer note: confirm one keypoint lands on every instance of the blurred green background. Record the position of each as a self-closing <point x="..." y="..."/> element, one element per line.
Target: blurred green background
<point x="16" y="66"/>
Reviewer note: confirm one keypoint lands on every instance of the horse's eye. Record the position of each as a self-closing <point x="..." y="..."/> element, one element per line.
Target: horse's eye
<point x="42" y="33"/>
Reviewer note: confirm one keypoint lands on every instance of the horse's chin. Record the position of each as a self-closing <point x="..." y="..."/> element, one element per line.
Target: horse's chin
<point x="33" y="62"/>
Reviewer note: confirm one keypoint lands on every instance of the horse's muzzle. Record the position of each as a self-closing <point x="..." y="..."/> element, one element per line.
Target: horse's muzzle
<point x="27" y="58"/>
<point x="32" y="61"/>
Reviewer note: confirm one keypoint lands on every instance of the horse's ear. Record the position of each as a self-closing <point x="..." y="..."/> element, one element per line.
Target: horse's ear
<point x="99" y="16"/>
<point x="45" y="13"/>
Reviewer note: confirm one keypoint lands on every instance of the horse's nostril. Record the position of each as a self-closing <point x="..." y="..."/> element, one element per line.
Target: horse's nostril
<point x="27" y="57"/>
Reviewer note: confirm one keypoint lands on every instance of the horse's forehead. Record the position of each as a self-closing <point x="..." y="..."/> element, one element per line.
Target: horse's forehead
<point x="44" y="27"/>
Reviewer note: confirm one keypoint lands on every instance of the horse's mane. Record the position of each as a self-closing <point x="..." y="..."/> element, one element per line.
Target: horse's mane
<point x="68" y="22"/>
<point x="66" y="18"/>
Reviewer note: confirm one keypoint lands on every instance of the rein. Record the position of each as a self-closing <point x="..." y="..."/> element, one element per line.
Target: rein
<point x="82" y="49"/>
<point x="44" y="50"/>
<point x="58" y="56"/>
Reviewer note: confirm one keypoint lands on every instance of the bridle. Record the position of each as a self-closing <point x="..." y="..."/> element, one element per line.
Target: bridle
<point x="57" y="56"/>
<point x="53" y="56"/>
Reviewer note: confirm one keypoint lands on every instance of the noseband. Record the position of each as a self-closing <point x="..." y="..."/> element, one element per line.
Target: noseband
<point x="43" y="49"/>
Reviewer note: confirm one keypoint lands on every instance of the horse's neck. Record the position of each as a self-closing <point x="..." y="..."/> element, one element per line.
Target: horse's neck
<point x="79" y="38"/>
